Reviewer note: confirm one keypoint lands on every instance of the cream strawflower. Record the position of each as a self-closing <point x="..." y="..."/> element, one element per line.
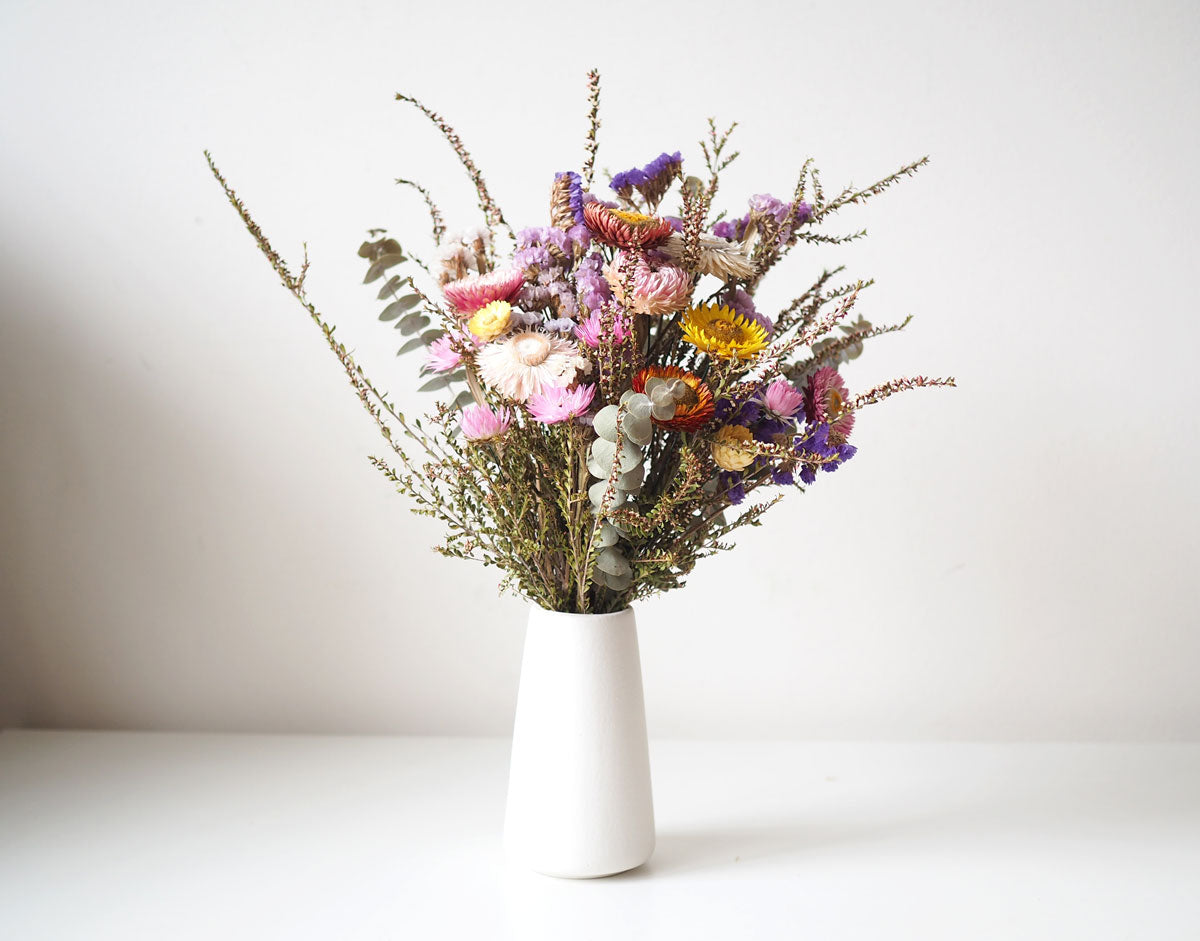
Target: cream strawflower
<point x="719" y="257"/>
<point x="489" y="322"/>
<point x="528" y="362"/>
<point x="725" y="450"/>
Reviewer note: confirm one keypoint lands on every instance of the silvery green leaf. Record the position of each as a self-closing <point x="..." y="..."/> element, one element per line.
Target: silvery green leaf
<point x="612" y="561"/>
<point x="631" y="456"/>
<point x="413" y="344"/>
<point x="428" y="336"/>
<point x="438" y="382"/>
<point x="381" y="264"/>
<point x="607" y="536"/>
<point x="596" y="468"/>
<point x="623" y="530"/>
<point x="616" y="582"/>
<point x="639" y="430"/>
<point x="631" y="482"/>
<point x="678" y="388"/>
<point x="605" y="423"/>
<point x="664" y="411"/>
<point x="596" y="495"/>
<point x="463" y="399"/>
<point x="393" y="284"/>
<point x="627" y="395"/>
<point x="654" y="382"/>
<point x="396" y="308"/>
<point x="603" y="451"/>
<point x="639" y="409"/>
<point x="411" y="323"/>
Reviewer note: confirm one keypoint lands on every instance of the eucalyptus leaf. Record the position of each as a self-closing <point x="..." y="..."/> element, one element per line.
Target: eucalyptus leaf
<point x="428" y="336"/>
<point x="605" y="423"/>
<point x="394" y="283"/>
<point x="612" y="561"/>
<point x="402" y="306"/>
<point x="382" y="264"/>
<point x="413" y="344"/>
<point x="631" y="482"/>
<point x="463" y="399"/>
<point x="411" y="323"/>
<point x="607" y="536"/>
<point x="434" y="384"/>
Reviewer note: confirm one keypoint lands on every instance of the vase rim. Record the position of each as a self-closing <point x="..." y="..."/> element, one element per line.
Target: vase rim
<point x="586" y="616"/>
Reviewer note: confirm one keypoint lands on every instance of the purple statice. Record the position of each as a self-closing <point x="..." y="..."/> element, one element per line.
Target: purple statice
<point x="769" y="211"/>
<point x="559" y="325"/>
<point x="652" y="181"/>
<point x="725" y="229"/>
<point x="743" y="303"/>
<point x="545" y="253"/>
<point x="816" y="442"/>
<point x="574" y="193"/>
<point x="593" y="289"/>
<point x="731" y="483"/>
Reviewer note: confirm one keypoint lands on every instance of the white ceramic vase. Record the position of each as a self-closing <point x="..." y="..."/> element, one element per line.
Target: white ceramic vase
<point x="579" y="801"/>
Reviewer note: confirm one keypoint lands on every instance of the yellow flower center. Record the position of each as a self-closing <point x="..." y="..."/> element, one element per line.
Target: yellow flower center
<point x="835" y="402"/>
<point x="633" y="218"/>
<point x="724" y="330"/>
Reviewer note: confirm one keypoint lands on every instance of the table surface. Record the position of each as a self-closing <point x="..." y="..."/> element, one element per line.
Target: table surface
<point x="151" y="835"/>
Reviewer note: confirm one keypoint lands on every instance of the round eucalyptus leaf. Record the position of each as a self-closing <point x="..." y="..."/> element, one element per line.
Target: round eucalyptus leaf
<point x="631" y="482"/>
<point x="607" y="536"/>
<point x="612" y="561"/>
<point x="605" y="423"/>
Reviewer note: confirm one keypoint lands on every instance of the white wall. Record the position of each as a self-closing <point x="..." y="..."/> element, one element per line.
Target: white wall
<point x="192" y="536"/>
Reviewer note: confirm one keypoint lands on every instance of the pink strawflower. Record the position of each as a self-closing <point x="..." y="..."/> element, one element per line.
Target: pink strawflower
<point x="589" y="331"/>
<point x="782" y="399"/>
<point x="557" y="404"/>
<point x="469" y="294"/>
<point x="825" y="401"/>
<point x="440" y="355"/>
<point x="480" y="423"/>
<point x="658" y="288"/>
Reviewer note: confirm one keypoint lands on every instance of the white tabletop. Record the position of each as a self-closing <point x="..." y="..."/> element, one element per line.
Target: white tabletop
<point x="165" y="836"/>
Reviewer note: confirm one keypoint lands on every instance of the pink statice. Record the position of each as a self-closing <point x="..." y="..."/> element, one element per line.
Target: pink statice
<point x="781" y="399"/>
<point x="480" y="423"/>
<point x="589" y="331"/>
<point x="556" y="405"/>
<point x="469" y="294"/>
<point x="441" y="356"/>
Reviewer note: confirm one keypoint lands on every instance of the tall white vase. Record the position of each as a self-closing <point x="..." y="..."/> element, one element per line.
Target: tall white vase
<point x="579" y="802"/>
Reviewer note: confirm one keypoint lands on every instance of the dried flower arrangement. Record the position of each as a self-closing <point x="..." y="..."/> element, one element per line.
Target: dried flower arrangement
<point x="619" y="390"/>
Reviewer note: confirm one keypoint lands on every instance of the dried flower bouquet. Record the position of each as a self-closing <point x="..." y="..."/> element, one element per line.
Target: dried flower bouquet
<point x="618" y="391"/>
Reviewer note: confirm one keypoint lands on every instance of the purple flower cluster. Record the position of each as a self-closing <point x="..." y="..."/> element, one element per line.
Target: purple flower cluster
<point x="774" y="414"/>
<point x="766" y="209"/>
<point x="590" y="281"/>
<point x="743" y="303"/>
<point x="651" y="181"/>
<point x="575" y="188"/>
<point x="544" y="254"/>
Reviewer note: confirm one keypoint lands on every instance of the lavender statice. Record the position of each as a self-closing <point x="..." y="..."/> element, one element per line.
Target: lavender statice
<point x="769" y="214"/>
<point x="593" y="288"/>
<point x="651" y="181"/>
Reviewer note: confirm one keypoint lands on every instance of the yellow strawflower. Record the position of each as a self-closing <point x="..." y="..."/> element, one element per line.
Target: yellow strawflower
<point x="726" y="451"/>
<point x="489" y="322"/>
<point x="722" y="332"/>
